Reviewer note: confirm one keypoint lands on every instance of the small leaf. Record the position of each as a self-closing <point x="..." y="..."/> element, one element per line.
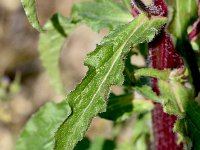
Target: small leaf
<point x="39" y="131"/>
<point x="142" y="106"/>
<point x="101" y="143"/>
<point x="180" y="127"/>
<point x="117" y="106"/>
<point x="154" y="73"/>
<point x="31" y="13"/>
<point x="101" y="14"/>
<point x="147" y="92"/>
<point x="175" y="97"/>
<point x="169" y="103"/>
<point x="105" y="69"/>
<point x="122" y="107"/>
<point x="50" y="44"/>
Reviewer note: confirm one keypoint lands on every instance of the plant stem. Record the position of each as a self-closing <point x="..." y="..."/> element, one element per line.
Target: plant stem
<point x="162" y="55"/>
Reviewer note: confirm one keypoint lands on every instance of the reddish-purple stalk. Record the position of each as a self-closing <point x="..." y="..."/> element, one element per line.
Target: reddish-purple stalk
<point x="162" y="55"/>
<point x="196" y="26"/>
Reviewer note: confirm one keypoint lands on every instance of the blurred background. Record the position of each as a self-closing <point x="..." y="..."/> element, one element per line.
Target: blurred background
<point x="24" y="85"/>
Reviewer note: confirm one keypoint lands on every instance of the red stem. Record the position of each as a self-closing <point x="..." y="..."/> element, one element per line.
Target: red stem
<point x="135" y="12"/>
<point x="162" y="55"/>
<point x="195" y="30"/>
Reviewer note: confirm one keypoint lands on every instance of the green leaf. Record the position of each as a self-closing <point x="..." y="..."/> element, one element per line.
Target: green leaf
<point x="50" y="44"/>
<point x="39" y="131"/>
<point x="122" y="107"/>
<point x="127" y="4"/>
<point x="171" y="105"/>
<point x="83" y="144"/>
<point x="180" y="127"/>
<point x="193" y="124"/>
<point x="101" y="143"/>
<point x="117" y="106"/>
<point x="188" y="128"/>
<point x="101" y="14"/>
<point x="30" y="10"/>
<point x="196" y="44"/>
<point x="184" y="13"/>
<point x="147" y="92"/>
<point x="142" y="106"/>
<point x="141" y="132"/>
<point x="175" y="97"/>
<point x="154" y="73"/>
<point x="105" y="69"/>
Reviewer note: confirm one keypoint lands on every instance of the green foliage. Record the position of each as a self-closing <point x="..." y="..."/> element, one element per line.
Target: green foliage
<point x="184" y="13"/>
<point x="177" y="99"/>
<point x="117" y="106"/>
<point x="141" y="131"/>
<point x="50" y="43"/>
<point x="83" y="144"/>
<point x="149" y="72"/>
<point x="147" y="92"/>
<point x="101" y="143"/>
<point x="61" y="126"/>
<point x="174" y="96"/>
<point x="40" y="129"/>
<point x="139" y="135"/>
<point x="105" y="69"/>
<point x="192" y="122"/>
<point x="30" y="10"/>
<point x="122" y="107"/>
<point x="188" y="128"/>
<point x="101" y="14"/>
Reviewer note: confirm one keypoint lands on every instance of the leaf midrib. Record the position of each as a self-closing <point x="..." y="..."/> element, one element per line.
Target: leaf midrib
<point x="104" y="79"/>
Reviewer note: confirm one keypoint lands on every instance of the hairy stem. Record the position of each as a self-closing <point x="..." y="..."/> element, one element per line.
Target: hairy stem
<point x="162" y="55"/>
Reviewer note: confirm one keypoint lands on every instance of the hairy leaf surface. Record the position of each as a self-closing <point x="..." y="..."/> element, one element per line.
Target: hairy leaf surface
<point x="101" y="14"/>
<point x="38" y="133"/>
<point x="105" y="69"/>
<point x="50" y="44"/>
<point x="31" y="13"/>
